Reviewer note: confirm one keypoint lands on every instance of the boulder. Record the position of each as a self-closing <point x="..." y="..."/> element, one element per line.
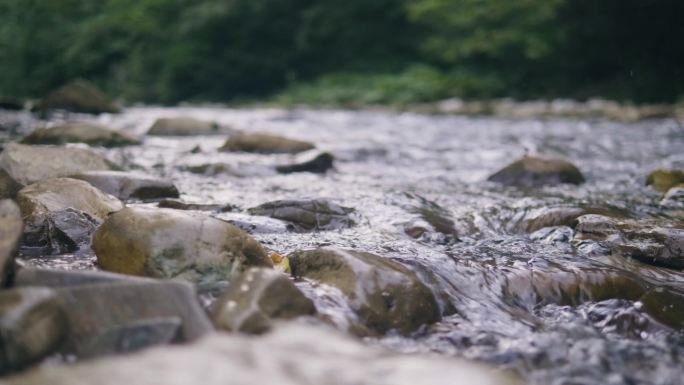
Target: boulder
<point x="292" y="354"/>
<point x="78" y="132"/>
<point x="317" y="214"/>
<point x="167" y="243"/>
<point x="535" y="171"/>
<point x="318" y="165"/>
<point x="185" y="127"/>
<point x="8" y="186"/>
<point x="32" y="325"/>
<point x="28" y="164"/>
<point x="79" y="96"/>
<point x="265" y="144"/>
<point x="126" y="185"/>
<point x="62" y="213"/>
<point x="126" y="315"/>
<point x="384" y="294"/>
<point x="255" y="298"/>
<point x="648" y="242"/>
<point x="11" y="227"/>
<point x="662" y="179"/>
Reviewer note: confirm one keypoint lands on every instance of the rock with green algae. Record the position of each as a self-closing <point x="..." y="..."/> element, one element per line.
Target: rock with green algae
<point x="663" y="179"/>
<point x="385" y="294"/>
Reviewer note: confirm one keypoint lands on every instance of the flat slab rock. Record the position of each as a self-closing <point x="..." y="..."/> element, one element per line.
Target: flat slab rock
<point x="317" y="214"/>
<point x="291" y="354"/>
<point x="186" y="127"/>
<point x="126" y="185"/>
<point x="80" y="132"/>
<point x="265" y="144"/>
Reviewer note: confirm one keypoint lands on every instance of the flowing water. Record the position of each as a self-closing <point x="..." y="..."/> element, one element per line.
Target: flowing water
<point x="396" y="169"/>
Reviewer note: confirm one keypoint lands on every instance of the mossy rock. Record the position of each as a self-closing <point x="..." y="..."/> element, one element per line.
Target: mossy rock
<point x="662" y="180"/>
<point x="536" y="171"/>
<point x="265" y="144"/>
<point x="76" y="132"/>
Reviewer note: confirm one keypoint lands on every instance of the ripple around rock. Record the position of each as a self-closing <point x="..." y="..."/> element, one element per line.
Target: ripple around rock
<point x="292" y="354"/>
<point x="317" y="214"/>
<point x="265" y="144"/>
<point x="535" y="171"/>
<point x="11" y="226"/>
<point x="185" y="127"/>
<point x="385" y="294"/>
<point x="61" y="214"/>
<point x="257" y="297"/>
<point x="126" y="185"/>
<point x="76" y="132"/>
<point x="167" y="243"/>
<point x="29" y="164"/>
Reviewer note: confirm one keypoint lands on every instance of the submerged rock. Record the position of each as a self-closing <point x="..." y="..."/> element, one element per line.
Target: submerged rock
<point x="663" y="180"/>
<point x="265" y="144"/>
<point x="32" y="325"/>
<point x="665" y="305"/>
<point x="62" y="213"/>
<point x="384" y="294"/>
<point x="317" y="214"/>
<point x="77" y="132"/>
<point x="126" y="185"/>
<point x="185" y="127"/>
<point x="167" y="243"/>
<point x="535" y="171"/>
<point x="645" y="241"/>
<point x="11" y="226"/>
<point x="79" y="96"/>
<point x="292" y="355"/>
<point x="257" y="297"/>
<point x="28" y="164"/>
<point x="318" y="165"/>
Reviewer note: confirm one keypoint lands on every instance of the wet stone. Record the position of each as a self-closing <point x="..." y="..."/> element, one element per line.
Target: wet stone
<point x="535" y="171"/>
<point x="77" y="132"/>
<point x="8" y="186"/>
<point x="307" y="215"/>
<point x="32" y="325"/>
<point x="127" y="185"/>
<point x="61" y="214"/>
<point x="318" y="165"/>
<point x="256" y="298"/>
<point x="79" y="96"/>
<point x="27" y="276"/>
<point x="663" y="179"/>
<point x="265" y="144"/>
<point x="167" y="243"/>
<point x="385" y="295"/>
<point x="185" y="127"/>
<point x="665" y="306"/>
<point x="11" y="226"/>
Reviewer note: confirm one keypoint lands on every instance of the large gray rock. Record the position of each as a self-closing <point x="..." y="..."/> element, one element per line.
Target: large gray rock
<point x="80" y="132"/>
<point x="125" y="185"/>
<point x="79" y="96"/>
<point x="62" y="213"/>
<point x="29" y="164"/>
<point x="257" y="297"/>
<point x="265" y="144"/>
<point x="11" y="227"/>
<point x="317" y="214"/>
<point x="535" y="171"/>
<point x="125" y="315"/>
<point x="649" y="242"/>
<point x="185" y="127"/>
<point x="291" y="355"/>
<point x="384" y="294"/>
<point x="166" y="243"/>
<point x="32" y="325"/>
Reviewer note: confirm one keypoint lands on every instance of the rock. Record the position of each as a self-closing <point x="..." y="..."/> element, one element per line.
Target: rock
<point x="62" y="213"/>
<point x="126" y="185"/>
<point x="662" y="180"/>
<point x="534" y="171"/>
<point x="11" y="227"/>
<point x="77" y="132"/>
<point x="318" y="165"/>
<point x="255" y="298"/>
<point x="32" y="325"/>
<point x="674" y="198"/>
<point x="8" y="186"/>
<point x="167" y="243"/>
<point x="529" y="221"/>
<point x="645" y="241"/>
<point x="265" y="144"/>
<point x="317" y="214"/>
<point x="384" y="294"/>
<point x="180" y="205"/>
<point x="185" y="127"/>
<point x="28" y="164"/>
<point x="54" y="278"/>
<point x="123" y="316"/>
<point x="292" y="354"/>
<point x="79" y="96"/>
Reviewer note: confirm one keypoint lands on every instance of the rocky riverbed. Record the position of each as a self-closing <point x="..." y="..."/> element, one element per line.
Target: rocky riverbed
<point x="544" y="250"/>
